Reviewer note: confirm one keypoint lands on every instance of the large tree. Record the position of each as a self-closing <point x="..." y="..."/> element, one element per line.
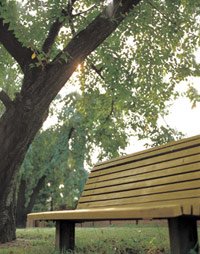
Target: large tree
<point x="47" y="55"/>
<point x="43" y="79"/>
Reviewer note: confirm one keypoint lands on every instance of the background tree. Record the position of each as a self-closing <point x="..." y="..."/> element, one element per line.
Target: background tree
<point x="53" y="170"/>
<point x="33" y="174"/>
<point x="169" y="35"/>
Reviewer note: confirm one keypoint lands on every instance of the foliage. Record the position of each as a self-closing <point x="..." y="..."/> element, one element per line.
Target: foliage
<point x="10" y="76"/>
<point x="125" y="83"/>
<point x="193" y="95"/>
<point x="162" y="135"/>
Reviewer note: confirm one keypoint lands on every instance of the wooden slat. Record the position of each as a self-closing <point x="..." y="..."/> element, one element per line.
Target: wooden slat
<point x="180" y="173"/>
<point x="173" y="173"/>
<point x="143" y="191"/>
<point x="131" y="171"/>
<point x="145" y="199"/>
<point x="110" y="213"/>
<point x="169" y="147"/>
<point x="147" y="162"/>
<point x="138" y="185"/>
<point x="175" y="201"/>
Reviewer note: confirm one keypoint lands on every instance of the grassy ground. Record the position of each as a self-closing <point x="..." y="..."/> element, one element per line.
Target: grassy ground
<point x="110" y="240"/>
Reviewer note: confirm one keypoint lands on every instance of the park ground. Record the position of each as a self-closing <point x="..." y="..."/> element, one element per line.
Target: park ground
<point x="134" y="239"/>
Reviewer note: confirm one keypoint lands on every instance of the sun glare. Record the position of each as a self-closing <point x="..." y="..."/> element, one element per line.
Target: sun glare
<point x="79" y="67"/>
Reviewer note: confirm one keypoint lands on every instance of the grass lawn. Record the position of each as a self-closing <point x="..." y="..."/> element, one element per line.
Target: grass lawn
<point x="130" y="239"/>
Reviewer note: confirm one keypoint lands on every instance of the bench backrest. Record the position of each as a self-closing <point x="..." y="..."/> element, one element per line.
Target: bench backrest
<point x="168" y="174"/>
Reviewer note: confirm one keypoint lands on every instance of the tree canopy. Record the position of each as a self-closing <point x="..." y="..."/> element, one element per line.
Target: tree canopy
<point x="151" y="52"/>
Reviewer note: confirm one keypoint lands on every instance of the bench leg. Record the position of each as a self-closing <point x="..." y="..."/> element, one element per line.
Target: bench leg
<point x="65" y="235"/>
<point x="183" y="235"/>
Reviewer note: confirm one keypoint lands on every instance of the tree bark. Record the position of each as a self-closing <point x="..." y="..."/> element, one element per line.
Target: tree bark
<point x="24" y="117"/>
<point x="7" y="213"/>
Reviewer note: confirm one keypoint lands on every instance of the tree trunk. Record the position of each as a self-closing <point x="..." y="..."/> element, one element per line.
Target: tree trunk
<point x="17" y="130"/>
<point x="7" y="224"/>
<point x="7" y="215"/>
<point x="18" y="127"/>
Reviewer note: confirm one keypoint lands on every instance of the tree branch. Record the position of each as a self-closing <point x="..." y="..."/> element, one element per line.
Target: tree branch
<point x="160" y="12"/>
<point x="71" y="16"/>
<point x="53" y="32"/>
<point x="20" y="53"/>
<point x="5" y="99"/>
<point x="98" y="71"/>
<point x="97" y="31"/>
<point x="55" y="28"/>
<point x="86" y="41"/>
<point x="71" y="25"/>
<point x="71" y="131"/>
<point x="85" y="11"/>
<point x="111" y="111"/>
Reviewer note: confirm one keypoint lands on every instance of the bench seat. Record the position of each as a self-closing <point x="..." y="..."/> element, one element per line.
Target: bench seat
<point x="112" y="213"/>
<point x="157" y="183"/>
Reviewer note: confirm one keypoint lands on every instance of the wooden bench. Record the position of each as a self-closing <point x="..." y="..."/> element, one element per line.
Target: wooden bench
<point x="158" y="183"/>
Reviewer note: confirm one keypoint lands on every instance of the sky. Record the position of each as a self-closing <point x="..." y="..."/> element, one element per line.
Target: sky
<point x="184" y="118"/>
